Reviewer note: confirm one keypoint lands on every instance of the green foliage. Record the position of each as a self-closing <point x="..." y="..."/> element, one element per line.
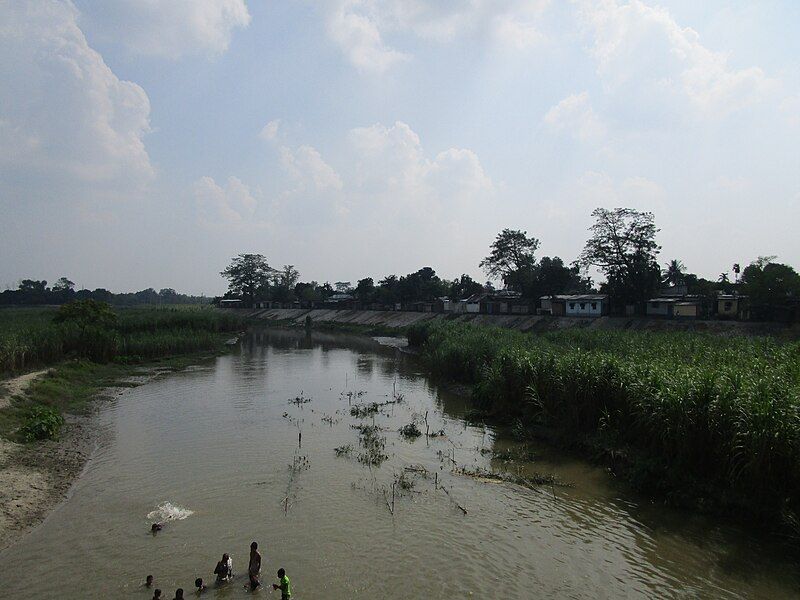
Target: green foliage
<point x="623" y="246"/>
<point x="30" y="337"/>
<point x="722" y="410"/>
<point x="41" y="423"/>
<point x="770" y="283"/>
<point x="512" y="253"/>
<point x="248" y="276"/>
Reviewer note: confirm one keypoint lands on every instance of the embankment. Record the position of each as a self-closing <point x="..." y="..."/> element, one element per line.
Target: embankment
<point x="525" y="323"/>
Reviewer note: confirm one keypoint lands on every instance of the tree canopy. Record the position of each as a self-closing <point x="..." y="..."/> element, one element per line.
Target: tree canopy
<point x="512" y="254"/>
<point x="623" y="246"/>
<point x="248" y="275"/>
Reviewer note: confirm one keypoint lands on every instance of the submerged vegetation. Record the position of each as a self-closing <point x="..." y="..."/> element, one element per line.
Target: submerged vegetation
<point x="687" y="415"/>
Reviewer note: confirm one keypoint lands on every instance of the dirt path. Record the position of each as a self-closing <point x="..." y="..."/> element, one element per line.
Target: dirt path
<point x="17" y="385"/>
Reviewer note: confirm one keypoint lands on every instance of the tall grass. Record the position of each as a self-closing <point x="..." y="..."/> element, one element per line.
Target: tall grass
<point x="29" y="337"/>
<point x="723" y="411"/>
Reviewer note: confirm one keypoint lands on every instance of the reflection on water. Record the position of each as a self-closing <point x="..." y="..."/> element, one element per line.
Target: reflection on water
<point x="222" y="442"/>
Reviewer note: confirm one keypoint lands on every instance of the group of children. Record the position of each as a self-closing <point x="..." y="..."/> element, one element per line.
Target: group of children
<point x="224" y="573"/>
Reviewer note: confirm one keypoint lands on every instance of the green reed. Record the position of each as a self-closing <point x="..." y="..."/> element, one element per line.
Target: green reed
<point x="724" y="411"/>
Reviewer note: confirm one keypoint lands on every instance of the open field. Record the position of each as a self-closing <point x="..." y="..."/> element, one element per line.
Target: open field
<point x="700" y="418"/>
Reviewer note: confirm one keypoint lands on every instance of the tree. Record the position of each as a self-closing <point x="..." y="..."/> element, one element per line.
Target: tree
<point x="343" y="287"/>
<point x="86" y="313"/>
<point x="674" y="274"/>
<point x="552" y="276"/>
<point x="32" y="291"/>
<point x="464" y="287"/>
<point x="512" y="253"/>
<point x="623" y="247"/>
<point x="769" y="283"/>
<point x="63" y="284"/>
<point x="365" y="290"/>
<point x="284" y="282"/>
<point x="248" y="275"/>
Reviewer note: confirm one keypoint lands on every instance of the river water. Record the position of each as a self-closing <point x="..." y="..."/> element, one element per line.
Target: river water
<point x="215" y="451"/>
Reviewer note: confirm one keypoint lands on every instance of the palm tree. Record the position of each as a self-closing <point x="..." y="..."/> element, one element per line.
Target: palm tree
<point x="724" y="279"/>
<point x="673" y="275"/>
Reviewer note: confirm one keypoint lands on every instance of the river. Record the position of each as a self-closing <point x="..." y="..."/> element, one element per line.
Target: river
<point x="241" y="448"/>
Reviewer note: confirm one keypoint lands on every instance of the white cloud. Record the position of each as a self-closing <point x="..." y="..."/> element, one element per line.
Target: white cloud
<point x="270" y="130"/>
<point x="171" y="28"/>
<point x="360" y="38"/>
<point x="63" y="112"/>
<point x="575" y="115"/>
<point x="307" y="167"/>
<point x="227" y="205"/>
<point x="636" y="44"/>
<point x="393" y="169"/>
<point x="360" y="27"/>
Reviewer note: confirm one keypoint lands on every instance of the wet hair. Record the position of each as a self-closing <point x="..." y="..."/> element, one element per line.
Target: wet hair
<point x="155" y="527"/>
<point x="157" y="594"/>
<point x="281" y="572"/>
<point x="254" y="546"/>
<point x="225" y="556"/>
<point x="198" y="582"/>
<point x="179" y="593"/>
<point x="149" y="579"/>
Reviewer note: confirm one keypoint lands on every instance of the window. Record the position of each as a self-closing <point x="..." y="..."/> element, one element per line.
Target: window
<point x="572" y="306"/>
<point x="594" y="305"/>
<point x="583" y="305"/>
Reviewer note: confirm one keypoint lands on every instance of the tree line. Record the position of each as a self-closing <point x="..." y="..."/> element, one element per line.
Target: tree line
<point x="33" y="292"/>
<point x="622" y="246"/>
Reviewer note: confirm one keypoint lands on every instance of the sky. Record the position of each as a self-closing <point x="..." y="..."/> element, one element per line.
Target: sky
<point x="143" y="143"/>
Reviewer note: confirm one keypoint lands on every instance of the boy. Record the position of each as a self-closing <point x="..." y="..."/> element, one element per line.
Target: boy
<point x="157" y="595"/>
<point x="284" y="586"/>
<point x="198" y="583"/>
<point x="148" y="581"/>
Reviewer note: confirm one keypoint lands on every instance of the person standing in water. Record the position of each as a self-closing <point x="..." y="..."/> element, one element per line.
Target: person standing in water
<point x="178" y="594"/>
<point x="254" y="566"/>
<point x="224" y="568"/>
<point x="157" y="595"/>
<point x="148" y="582"/>
<point x="284" y="586"/>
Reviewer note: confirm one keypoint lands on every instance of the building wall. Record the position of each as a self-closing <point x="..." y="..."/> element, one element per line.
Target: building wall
<point x="473" y="308"/>
<point x="691" y="311"/>
<point x="728" y="308"/>
<point x="658" y="309"/>
<point x="586" y="308"/>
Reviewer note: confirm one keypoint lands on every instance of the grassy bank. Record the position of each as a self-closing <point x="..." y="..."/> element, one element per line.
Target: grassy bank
<point x="702" y="419"/>
<point x="87" y="357"/>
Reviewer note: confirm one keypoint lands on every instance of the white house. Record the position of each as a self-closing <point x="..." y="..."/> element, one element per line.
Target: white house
<point x="585" y="305"/>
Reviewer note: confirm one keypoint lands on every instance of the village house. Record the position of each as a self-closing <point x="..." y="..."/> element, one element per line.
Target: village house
<point x="578" y="305"/>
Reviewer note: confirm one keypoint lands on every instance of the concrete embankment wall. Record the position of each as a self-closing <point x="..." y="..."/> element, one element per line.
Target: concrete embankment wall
<point x="523" y="322"/>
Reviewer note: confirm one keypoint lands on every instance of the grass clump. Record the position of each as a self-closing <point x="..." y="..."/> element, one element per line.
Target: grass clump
<point x="720" y="415"/>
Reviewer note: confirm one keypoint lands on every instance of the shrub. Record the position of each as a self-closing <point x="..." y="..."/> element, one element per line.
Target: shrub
<point x="41" y="423"/>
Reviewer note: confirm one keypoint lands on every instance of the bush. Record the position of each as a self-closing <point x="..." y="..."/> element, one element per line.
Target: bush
<point x="41" y="423"/>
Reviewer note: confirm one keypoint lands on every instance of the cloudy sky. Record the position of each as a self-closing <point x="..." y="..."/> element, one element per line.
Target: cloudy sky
<point x="145" y="142"/>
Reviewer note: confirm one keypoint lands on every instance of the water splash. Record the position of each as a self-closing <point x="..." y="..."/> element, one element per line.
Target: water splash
<point x="167" y="511"/>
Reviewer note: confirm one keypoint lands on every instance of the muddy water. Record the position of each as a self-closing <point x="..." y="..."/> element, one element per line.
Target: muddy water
<point x="210" y="450"/>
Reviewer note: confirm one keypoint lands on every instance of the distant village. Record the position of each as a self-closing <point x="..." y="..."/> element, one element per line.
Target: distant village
<point x="621" y="246"/>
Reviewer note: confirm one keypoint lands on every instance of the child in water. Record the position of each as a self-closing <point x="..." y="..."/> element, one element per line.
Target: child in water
<point x="178" y="594"/>
<point x="148" y="581"/>
<point x="284" y="586"/>
<point x="198" y="583"/>
<point x="224" y="568"/>
<point x="157" y="595"/>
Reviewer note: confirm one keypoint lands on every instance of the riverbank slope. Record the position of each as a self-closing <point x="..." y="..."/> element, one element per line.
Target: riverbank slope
<point x="526" y="323"/>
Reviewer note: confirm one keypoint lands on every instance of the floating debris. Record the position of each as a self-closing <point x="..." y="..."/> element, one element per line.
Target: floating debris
<point x="531" y="482"/>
